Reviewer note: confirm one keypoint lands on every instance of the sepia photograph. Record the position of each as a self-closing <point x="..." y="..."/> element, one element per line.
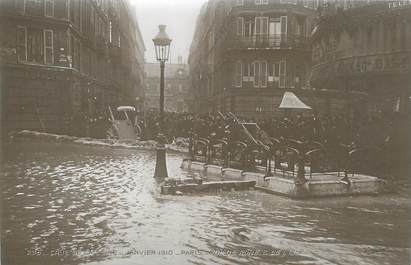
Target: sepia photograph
<point x="205" y="132"/>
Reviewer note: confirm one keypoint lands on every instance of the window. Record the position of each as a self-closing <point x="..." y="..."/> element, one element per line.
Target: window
<point x="21" y="43"/>
<point x="240" y="26"/>
<point x="261" y="25"/>
<point x="276" y="69"/>
<point x="260" y="74"/>
<point x="282" y="73"/>
<point x="180" y="88"/>
<point x="248" y="72"/>
<point x="275" y="26"/>
<point x="316" y="4"/>
<point x="49" y="8"/>
<point x="239" y="2"/>
<point x="20" y="6"/>
<point x="48" y="47"/>
<point x="238" y="72"/>
<point x="34" y="8"/>
<point x="249" y="28"/>
<point x="275" y="32"/>
<point x="35" y="45"/>
<point x="393" y="37"/>
<point x="403" y="35"/>
<point x="298" y="29"/>
<point x="275" y="73"/>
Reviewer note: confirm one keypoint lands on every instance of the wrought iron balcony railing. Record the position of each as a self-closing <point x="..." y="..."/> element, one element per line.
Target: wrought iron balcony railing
<point x="276" y="41"/>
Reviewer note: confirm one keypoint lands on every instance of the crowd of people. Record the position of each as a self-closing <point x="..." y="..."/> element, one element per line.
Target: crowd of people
<point x="372" y="130"/>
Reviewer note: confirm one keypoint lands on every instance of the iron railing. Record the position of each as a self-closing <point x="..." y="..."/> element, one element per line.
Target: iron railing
<point x="291" y="158"/>
<point x="277" y="41"/>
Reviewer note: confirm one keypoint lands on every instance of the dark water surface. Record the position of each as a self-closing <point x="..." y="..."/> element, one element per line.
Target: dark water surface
<point x="73" y="204"/>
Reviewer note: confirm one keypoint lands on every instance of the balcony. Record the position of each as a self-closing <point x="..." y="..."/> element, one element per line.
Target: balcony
<point x="278" y="41"/>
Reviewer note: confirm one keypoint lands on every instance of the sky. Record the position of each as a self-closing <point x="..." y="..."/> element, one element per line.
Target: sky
<point x="178" y="15"/>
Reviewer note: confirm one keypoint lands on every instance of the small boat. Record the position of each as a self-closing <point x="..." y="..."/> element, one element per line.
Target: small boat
<point x="123" y="127"/>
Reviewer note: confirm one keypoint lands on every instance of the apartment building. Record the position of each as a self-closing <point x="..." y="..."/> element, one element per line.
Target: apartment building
<point x="65" y="61"/>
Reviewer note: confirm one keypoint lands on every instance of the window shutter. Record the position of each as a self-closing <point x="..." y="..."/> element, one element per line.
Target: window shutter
<point x="276" y="67"/>
<point x="263" y="74"/>
<point x="240" y="26"/>
<point x="283" y="73"/>
<point x="264" y="25"/>
<point x="22" y="43"/>
<point x="238" y="74"/>
<point x="257" y="25"/>
<point x="283" y="24"/>
<point x="256" y="74"/>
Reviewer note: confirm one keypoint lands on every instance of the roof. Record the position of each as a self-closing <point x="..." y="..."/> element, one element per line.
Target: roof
<point x="170" y="70"/>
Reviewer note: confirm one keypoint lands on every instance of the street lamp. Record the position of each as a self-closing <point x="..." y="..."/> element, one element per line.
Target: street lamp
<point x="162" y="46"/>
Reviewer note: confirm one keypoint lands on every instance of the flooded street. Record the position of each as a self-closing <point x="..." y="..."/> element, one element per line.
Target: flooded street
<point x="74" y="204"/>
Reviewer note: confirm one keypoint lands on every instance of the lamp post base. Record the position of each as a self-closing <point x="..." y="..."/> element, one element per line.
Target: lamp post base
<point x="161" y="165"/>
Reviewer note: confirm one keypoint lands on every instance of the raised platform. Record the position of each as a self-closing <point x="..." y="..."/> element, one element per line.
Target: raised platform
<point x="212" y="186"/>
<point x="283" y="183"/>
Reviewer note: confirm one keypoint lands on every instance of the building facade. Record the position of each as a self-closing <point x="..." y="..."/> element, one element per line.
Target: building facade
<point x="63" y="62"/>
<point x="367" y="50"/>
<point x="177" y="96"/>
<point x="246" y="54"/>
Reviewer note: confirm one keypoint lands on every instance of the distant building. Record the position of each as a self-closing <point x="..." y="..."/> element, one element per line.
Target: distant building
<point x="177" y="96"/>
<point x="245" y="54"/>
<point x="65" y="62"/>
<point x="366" y="50"/>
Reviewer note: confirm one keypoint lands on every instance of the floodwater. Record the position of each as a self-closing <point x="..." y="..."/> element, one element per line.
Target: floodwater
<point x="73" y="204"/>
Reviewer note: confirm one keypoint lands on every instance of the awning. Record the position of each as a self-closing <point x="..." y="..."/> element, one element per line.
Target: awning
<point x="291" y="101"/>
<point x="126" y="108"/>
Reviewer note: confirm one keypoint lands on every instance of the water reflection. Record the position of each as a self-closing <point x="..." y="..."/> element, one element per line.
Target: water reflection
<point x="70" y="204"/>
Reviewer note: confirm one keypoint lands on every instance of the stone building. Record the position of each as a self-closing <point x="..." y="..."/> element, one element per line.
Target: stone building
<point x="246" y="54"/>
<point x="65" y="61"/>
<point x="366" y="50"/>
<point x="177" y="96"/>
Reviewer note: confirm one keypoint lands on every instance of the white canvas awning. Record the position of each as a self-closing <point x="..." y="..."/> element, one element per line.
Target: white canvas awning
<point x="126" y="108"/>
<point x="291" y="101"/>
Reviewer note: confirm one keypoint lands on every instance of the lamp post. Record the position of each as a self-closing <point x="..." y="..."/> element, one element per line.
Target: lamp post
<point x="162" y="46"/>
